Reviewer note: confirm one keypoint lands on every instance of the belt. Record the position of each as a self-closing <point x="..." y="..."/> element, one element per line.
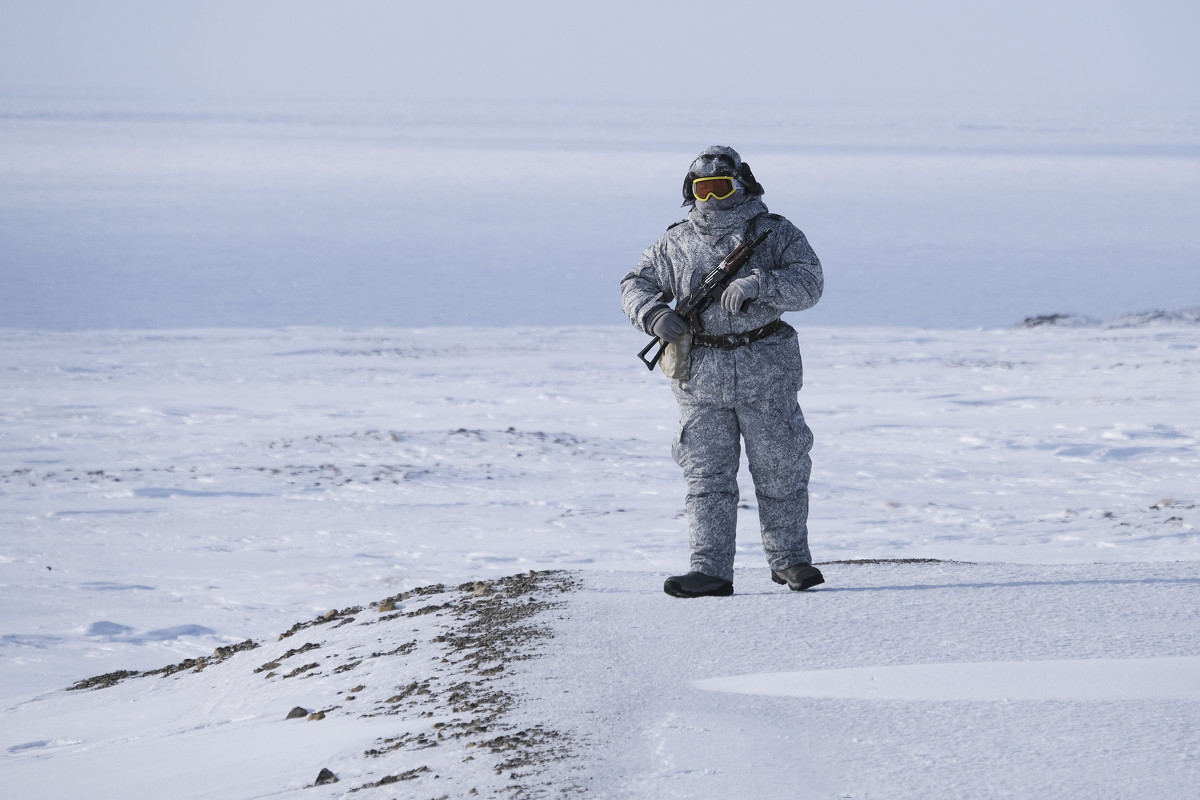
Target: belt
<point x="731" y="341"/>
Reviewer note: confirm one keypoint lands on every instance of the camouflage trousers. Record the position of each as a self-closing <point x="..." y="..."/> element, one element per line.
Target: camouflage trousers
<point x="708" y="447"/>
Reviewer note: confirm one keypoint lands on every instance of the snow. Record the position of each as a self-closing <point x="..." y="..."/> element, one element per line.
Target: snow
<point x="259" y="364"/>
<point x="165" y="493"/>
<point x="965" y="740"/>
<point x="226" y="731"/>
<point x="1094" y="679"/>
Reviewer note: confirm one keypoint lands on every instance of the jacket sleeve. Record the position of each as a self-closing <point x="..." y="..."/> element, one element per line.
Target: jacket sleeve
<point x="794" y="280"/>
<point x="647" y="287"/>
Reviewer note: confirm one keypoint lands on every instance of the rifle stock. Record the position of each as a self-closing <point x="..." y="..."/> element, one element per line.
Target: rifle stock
<point x="651" y="363"/>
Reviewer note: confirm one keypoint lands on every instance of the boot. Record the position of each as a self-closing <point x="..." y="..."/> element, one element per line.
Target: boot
<point x="697" y="584"/>
<point x="798" y="577"/>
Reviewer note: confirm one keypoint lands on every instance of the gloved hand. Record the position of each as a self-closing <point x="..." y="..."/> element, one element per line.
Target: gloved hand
<point x="739" y="292"/>
<point x="666" y="324"/>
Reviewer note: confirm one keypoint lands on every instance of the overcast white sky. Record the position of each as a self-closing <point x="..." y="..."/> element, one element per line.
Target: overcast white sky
<point x="1039" y="53"/>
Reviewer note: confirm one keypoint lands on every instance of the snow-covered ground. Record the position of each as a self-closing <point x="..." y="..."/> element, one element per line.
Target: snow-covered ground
<point x="1007" y="517"/>
<point x="168" y="493"/>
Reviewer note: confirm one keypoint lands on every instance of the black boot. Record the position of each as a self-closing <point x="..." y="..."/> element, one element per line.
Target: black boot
<point x="798" y="577"/>
<point x="697" y="584"/>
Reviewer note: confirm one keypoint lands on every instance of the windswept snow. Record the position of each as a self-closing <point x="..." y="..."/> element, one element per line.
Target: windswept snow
<point x="364" y="693"/>
<point x="1084" y="679"/>
<point x="164" y="494"/>
<point x="648" y="664"/>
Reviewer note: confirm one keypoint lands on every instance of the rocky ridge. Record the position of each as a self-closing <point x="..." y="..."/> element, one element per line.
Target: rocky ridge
<point x="441" y="660"/>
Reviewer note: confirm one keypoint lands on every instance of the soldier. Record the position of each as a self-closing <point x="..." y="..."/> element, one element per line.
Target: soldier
<point x="745" y="371"/>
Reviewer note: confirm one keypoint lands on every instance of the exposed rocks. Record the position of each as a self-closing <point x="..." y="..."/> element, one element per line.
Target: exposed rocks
<point x="102" y="681"/>
<point x="327" y="617"/>
<point x="194" y="664"/>
<point x="302" y="670"/>
<point x="1141" y="319"/>
<point x="421" y="591"/>
<point x="270" y="665"/>
<point x="455" y="673"/>
<point x="222" y="653"/>
<point x="1183" y="316"/>
<point x="324" y="777"/>
<point x="402" y="650"/>
<point x="408" y="775"/>
<point x="1072" y="320"/>
<point x="429" y="610"/>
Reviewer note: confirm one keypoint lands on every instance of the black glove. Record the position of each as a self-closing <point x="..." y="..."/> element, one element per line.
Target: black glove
<point x="665" y="324"/>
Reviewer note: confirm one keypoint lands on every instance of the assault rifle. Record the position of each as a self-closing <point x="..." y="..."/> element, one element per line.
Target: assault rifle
<point x="692" y="306"/>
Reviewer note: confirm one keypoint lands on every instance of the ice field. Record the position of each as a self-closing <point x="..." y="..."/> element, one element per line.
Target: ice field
<point x="120" y="215"/>
<point x="170" y="493"/>
<point x="333" y="408"/>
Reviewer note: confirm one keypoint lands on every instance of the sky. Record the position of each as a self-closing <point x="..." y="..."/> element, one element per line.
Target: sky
<point x="1024" y="53"/>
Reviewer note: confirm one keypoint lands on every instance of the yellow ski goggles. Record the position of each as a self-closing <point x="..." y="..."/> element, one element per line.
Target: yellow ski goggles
<point x="717" y="188"/>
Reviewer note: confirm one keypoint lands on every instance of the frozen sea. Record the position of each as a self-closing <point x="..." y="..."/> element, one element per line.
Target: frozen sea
<point x="131" y="215"/>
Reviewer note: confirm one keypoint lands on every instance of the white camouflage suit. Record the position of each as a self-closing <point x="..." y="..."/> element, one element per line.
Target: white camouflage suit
<point x="749" y="392"/>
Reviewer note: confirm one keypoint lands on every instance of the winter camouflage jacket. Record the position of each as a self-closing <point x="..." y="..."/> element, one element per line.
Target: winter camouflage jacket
<point x="789" y="276"/>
